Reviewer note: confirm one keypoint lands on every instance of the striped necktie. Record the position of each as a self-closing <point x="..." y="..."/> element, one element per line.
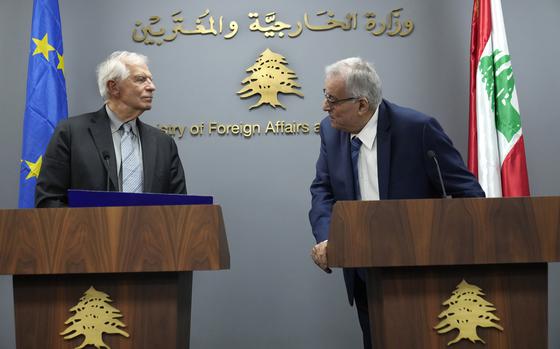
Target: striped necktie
<point x="132" y="176"/>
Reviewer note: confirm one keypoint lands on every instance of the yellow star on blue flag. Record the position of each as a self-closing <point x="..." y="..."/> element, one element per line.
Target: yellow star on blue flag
<point x="46" y="102"/>
<point x="42" y="46"/>
<point x="60" y="62"/>
<point x="34" y="168"/>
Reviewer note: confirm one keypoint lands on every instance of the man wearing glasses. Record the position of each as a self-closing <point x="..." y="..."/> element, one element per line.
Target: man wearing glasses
<point x="372" y="149"/>
<point x="111" y="149"/>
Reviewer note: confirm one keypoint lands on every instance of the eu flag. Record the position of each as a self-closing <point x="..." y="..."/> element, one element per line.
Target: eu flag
<point x="45" y="104"/>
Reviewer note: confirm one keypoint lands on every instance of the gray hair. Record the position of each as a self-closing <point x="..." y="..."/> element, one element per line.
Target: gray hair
<point x="361" y="79"/>
<point x="114" y="68"/>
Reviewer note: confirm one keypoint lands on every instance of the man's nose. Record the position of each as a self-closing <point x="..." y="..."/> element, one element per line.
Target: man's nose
<point x="326" y="106"/>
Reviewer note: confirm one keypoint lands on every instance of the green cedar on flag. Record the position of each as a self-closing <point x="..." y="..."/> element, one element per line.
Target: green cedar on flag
<point x="496" y="147"/>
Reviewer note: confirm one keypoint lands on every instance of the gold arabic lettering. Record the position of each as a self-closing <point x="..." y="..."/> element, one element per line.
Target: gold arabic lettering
<point x="270" y="27"/>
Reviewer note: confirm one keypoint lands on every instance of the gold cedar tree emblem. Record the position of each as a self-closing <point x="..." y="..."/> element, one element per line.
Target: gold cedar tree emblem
<point x="93" y="317"/>
<point x="269" y="76"/>
<point x="467" y="310"/>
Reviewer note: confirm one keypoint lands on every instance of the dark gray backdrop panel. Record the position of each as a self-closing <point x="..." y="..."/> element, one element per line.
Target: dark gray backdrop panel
<point x="273" y="296"/>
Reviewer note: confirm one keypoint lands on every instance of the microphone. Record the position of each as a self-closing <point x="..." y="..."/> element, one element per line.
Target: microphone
<point x="432" y="155"/>
<point x="107" y="157"/>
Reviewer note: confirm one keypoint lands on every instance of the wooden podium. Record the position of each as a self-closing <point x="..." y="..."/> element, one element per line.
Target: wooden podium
<point x="418" y="251"/>
<point x="142" y="257"/>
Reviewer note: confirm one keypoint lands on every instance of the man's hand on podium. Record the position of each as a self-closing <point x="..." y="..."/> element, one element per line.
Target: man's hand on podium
<point x="319" y="255"/>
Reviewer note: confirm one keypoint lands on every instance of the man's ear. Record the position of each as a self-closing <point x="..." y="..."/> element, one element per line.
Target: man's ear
<point x="113" y="88"/>
<point x="363" y="107"/>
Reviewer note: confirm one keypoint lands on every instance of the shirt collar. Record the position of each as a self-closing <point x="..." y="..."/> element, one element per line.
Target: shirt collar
<point x="116" y="123"/>
<point x="369" y="132"/>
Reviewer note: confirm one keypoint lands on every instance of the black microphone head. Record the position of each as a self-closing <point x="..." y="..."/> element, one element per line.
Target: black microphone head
<point x="431" y="154"/>
<point x="106" y="155"/>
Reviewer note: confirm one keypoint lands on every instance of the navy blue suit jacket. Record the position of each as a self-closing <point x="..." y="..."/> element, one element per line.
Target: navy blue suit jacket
<point x="404" y="136"/>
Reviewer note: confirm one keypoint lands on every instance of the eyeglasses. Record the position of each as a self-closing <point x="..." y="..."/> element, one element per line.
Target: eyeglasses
<point x="141" y="79"/>
<point x="332" y="101"/>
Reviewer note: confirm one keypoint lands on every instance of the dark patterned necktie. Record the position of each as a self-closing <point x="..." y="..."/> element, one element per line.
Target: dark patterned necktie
<point x="356" y="143"/>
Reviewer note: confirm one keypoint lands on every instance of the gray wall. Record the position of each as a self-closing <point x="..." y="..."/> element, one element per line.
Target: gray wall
<point x="273" y="296"/>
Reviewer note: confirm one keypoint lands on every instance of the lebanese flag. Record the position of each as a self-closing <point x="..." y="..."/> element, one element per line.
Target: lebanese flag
<point x="496" y="148"/>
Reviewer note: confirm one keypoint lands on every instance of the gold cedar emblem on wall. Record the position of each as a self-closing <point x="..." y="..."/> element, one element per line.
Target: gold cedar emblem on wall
<point x="93" y="316"/>
<point x="268" y="77"/>
<point x="467" y="310"/>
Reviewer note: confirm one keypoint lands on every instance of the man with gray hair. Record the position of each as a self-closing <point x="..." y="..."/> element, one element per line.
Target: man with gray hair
<point x="372" y="149"/>
<point x="111" y="149"/>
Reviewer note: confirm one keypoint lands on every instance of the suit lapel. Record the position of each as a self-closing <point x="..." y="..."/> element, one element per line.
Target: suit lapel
<point x="100" y="130"/>
<point x="149" y="153"/>
<point x="383" y="151"/>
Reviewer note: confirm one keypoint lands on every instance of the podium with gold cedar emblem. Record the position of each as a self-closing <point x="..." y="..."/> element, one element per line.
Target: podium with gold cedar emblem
<point x="419" y="252"/>
<point x="140" y="259"/>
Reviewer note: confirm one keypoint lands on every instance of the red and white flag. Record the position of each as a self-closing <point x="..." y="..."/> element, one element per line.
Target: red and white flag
<point x="496" y="148"/>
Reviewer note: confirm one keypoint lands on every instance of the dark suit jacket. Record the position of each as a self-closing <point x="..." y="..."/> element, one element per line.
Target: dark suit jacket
<point x="404" y="136"/>
<point x="75" y="160"/>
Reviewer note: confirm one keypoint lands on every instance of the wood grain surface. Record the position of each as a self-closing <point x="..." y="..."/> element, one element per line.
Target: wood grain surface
<point x="444" y="232"/>
<point x="156" y="308"/>
<point x="406" y="302"/>
<point x="112" y="239"/>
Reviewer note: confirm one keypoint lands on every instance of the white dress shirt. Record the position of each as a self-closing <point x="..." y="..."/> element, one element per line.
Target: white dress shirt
<point x="367" y="160"/>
